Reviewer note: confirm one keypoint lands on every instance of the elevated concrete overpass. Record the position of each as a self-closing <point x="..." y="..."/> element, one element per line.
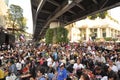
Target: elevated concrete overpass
<point x="65" y="11"/>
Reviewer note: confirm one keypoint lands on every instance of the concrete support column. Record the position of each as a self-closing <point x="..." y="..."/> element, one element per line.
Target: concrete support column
<point x="107" y="32"/>
<point x="110" y="32"/>
<point x="117" y="32"/>
<point x="98" y="32"/>
<point x="87" y="34"/>
<point x="55" y="24"/>
<point x="113" y="34"/>
<point x="101" y="33"/>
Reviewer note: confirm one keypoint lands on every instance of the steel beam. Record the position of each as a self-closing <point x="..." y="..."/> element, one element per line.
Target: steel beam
<point x="45" y="11"/>
<point x="95" y="1"/>
<point x="41" y="20"/>
<point x="72" y="12"/>
<point x="104" y="4"/>
<point x="42" y="2"/>
<point x="97" y="11"/>
<point x="59" y="11"/>
<point x="80" y="6"/>
<point x="53" y="2"/>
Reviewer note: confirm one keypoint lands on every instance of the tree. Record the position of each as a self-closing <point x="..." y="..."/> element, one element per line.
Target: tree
<point x="56" y="35"/>
<point x="49" y="36"/>
<point x="62" y="34"/>
<point x="16" y="13"/>
<point x="101" y="15"/>
<point x="15" y="18"/>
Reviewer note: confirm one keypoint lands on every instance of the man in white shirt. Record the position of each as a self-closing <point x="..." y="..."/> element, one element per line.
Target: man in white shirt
<point x="18" y="65"/>
<point x="49" y="61"/>
<point x="77" y="65"/>
<point x="100" y="58"/>
<point x="118" y="64"/>
<point x="112" y="66"/>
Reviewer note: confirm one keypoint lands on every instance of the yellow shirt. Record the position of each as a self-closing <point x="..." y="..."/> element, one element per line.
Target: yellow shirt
<point x="1" y="74"/>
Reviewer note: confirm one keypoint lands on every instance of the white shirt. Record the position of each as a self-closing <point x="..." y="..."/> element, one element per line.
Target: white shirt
<point x="19" y="66"/>
<point x="105" y="78"/>
<point x="49" y="61"/>
<point x="22" y="62"/>
<point x="118" y="64"/>
<point x="100" y="59"/>
<point x="77" y="66"/>
<point x="114" y="68"/>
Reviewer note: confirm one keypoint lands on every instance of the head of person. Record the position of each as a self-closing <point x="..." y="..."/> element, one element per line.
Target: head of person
<point x="62" y="66"/>
<point x="78" y="60"/>
<point x="98" y="69"/>
<point x="40" y="72"/>
<point x="112" y="76"/>
<point x="99" y="54"/>
<point x="84" y="77"/>
<point x="10" y="62"/>
<point x="110" y="62"/>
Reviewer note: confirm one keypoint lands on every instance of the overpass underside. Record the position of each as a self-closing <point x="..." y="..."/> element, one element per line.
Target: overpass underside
<point x="65" y="11"/>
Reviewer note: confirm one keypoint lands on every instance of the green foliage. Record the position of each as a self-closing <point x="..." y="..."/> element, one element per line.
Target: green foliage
<point x="101" y="15"/>
<point x="16" y="12"/>
<point x="49" y="36"/>
<point x="23" y="23"/>
<point x="56" y="35"/>
<point x="92" y="17"/>
<point x="62" y="34"/>
<point x="108" y="38"/>
<point x="15" y="18"/>
<point x="97" y="39"/>
<point x="114" y="39"/>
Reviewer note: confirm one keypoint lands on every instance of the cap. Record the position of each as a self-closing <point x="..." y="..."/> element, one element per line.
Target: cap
<point x="62" y="64"/>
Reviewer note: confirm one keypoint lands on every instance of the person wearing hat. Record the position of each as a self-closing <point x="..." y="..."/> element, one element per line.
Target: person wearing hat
<point x="62" y="73"/>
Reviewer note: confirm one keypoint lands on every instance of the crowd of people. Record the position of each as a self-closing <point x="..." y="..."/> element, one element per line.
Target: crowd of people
<point x="64" y="61"/>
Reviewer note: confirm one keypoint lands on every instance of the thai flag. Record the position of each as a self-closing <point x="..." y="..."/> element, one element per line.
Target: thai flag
<point x="22" y="38"/>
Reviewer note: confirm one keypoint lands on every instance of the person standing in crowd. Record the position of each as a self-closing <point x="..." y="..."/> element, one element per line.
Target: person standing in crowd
<point x="118" y="66"/>
<point x="19" y="66"/>
<point x="112" y="66"/>
<point x="78" y="65"/>
<point x="112" y="75"/>
<point x="41" y="74"/>
<point x="84" y="77"/>
<point x="100" y="58"/>
<point x="62" y="72"/>
<point x="12" y="67"/>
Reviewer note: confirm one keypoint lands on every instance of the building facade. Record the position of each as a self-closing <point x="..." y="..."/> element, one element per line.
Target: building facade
<point x="3" y="12"/>
<point x="92" y="29"/>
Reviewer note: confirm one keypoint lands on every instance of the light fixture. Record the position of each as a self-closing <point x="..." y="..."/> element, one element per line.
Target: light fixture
<point x="70" y="1"/>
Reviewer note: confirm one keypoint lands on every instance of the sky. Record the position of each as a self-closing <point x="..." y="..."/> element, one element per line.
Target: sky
<point x="26" y="6"/>
<point x="115" y="13"/>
